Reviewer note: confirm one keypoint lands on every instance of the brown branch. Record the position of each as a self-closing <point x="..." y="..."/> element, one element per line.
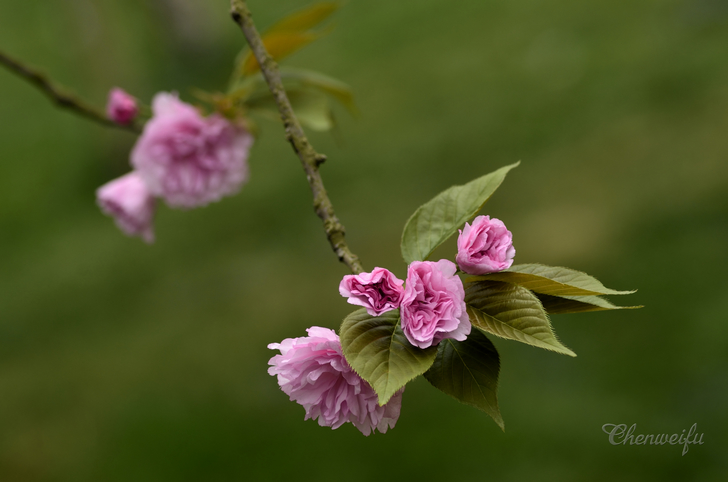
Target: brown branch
<point x="59" y="96"/>
<point x="310" y="159"/>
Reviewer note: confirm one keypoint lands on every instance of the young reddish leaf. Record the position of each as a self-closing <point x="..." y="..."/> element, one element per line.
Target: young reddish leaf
<point x="279" y="45"/>
<point x="305" y="19"/>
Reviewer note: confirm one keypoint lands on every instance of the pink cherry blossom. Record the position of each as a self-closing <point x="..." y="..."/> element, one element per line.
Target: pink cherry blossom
<point x="484" y="247"/>
<point x="131" y="204"/>
<point x="121" y="107"/>
<point x="313" y="372"/>
<point x="433" y="305"/>
<point x="378" y="291"/>
<point x="190" y="160"/>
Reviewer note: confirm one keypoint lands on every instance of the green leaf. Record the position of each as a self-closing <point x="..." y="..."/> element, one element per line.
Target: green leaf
<point x="468" y="371"/>
<point x="551" y="280"/>
<point x="557" y="305"/>
<point x="512" y="312"/>
<point x="438" y="219"/>
<point x="311" y="108"/>
<point x="298" y="82"/>
<point x="333" y="87"/>
<point x="377" y="349"/>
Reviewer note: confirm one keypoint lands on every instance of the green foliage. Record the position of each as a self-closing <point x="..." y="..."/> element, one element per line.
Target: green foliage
<point x="315" y="80"/>
<point x="511" y="304"/>
<point x="308" y="92"/>
<point x="513" y="312"/>
<point x="551" y="280"/>
<point x="288" y="35"/>
<point x="377" y="349"/>
<point x="468" y="371"/>
<point x="557" y="305"/>
<point x="305" y="88"/>
<point x="438" y="219"/>
<point x="311" y="108"/>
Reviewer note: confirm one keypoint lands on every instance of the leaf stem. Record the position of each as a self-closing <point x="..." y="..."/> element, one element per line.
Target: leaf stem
<point x="59" y="96"/>
<point x="310" y="159"/>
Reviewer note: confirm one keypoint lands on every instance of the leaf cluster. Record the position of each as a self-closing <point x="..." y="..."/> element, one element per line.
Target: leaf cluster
<point x="513" y="304"/>
<point x="309" y="92"/>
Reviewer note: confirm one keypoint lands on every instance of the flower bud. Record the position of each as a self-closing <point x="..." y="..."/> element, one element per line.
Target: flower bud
<point x="485" y="247"/>
<point x="121" y="107"/>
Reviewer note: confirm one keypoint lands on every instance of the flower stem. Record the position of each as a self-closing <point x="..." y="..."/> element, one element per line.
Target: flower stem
<point x="310" y="159"/>
<point x="58" y="95"/>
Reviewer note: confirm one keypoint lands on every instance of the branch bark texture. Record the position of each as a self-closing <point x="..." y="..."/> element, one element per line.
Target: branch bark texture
<point x="310" y="159"/>
<point x="58" y="95"/>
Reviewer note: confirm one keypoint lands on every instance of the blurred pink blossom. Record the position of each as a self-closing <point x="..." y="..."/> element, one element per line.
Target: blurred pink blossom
<point x="484" y="247"/>
<point x="378" y="291"/>
<point x="131" y="204"/>
<point x="433" y="306"/>
<point x="313" y="372"/>
<point x="187" y="159"/>
<point x="121" y="107"/>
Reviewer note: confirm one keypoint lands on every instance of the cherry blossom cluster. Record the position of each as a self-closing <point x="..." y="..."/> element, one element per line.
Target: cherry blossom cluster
<point x="313" y="371"/>
<point x="182" y="157"/>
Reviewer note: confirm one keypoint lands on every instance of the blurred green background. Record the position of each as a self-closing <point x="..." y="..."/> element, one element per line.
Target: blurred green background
<point x="126" y="362"/>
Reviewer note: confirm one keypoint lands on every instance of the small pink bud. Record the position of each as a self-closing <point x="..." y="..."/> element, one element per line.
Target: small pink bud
<point x="121" y="107"/>
<point x="131" y="204"/>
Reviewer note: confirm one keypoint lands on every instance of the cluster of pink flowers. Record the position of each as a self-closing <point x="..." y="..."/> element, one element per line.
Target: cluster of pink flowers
<point x="182" y="157"/>
<point x="432" y="305"/>
<point x="313" y="371"/>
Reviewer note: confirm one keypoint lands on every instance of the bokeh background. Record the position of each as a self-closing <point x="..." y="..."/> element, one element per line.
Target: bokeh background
<point x="126" y="362"/>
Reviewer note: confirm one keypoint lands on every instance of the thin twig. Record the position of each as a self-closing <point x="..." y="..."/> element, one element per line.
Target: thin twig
<point x="59" y="96"/>
<point x="310" y="159"/>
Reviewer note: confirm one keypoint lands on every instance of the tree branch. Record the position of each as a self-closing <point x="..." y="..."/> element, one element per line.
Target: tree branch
<point x="59" y="96"/>
<point x="310" y="159"/>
